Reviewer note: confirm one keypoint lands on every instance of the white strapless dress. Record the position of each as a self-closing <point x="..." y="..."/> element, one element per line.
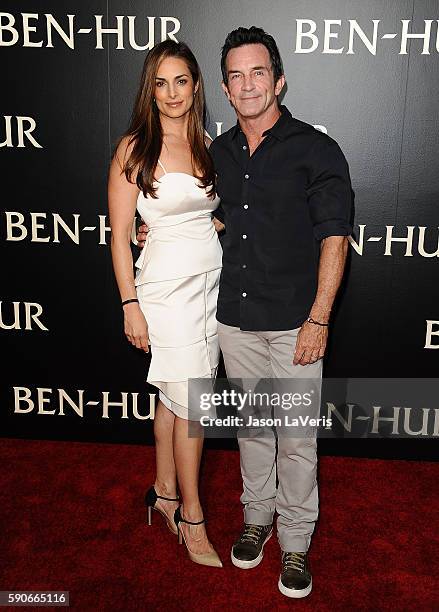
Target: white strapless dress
<point x="177" y="283"/>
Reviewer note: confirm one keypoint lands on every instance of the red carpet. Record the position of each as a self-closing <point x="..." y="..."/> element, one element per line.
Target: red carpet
<point x="72" y="519"/>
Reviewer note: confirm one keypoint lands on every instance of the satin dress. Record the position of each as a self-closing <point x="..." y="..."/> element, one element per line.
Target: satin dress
<point x="177" y="283"/>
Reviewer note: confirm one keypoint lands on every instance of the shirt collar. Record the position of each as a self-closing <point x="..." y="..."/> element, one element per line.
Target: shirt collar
<point x="277" y="130"/>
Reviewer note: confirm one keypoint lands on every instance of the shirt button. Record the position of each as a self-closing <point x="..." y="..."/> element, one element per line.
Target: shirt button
<point x="246" y="176"/>
<point x="244" y="294"/>
<point x="244" y="266"/>
<point x="244" y="236"/>
<point x="244" y="148"/>
<point x="245" y="206"/>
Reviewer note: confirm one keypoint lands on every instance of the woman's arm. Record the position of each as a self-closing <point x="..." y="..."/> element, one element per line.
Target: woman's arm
<point x="122" y="197"/>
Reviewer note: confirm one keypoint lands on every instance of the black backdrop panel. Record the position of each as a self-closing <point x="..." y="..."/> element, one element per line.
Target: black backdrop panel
<point x="378" y="101"/>
<point x="414" y="289"/>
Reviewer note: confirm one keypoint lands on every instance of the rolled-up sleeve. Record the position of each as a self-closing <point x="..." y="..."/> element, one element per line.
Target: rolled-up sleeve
<point x="330" y="194"/>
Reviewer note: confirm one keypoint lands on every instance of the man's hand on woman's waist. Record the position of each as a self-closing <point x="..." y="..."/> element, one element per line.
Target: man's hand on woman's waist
<point x="141" y="234"/>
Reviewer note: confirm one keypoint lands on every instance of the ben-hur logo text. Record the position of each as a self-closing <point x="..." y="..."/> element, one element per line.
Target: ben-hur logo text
<point x="328" y="36"/>
<point x="385" y="421"/>
<point x="414" y="240"/>
<point x="21" y="316"/>
<point x="34" y="30"/>
<point x="59" y="402"/>
<point x="406" y="241"/>
<point x="52" y="227"/>
<point x="376" y="420"/>
<point x="18" y="131"/>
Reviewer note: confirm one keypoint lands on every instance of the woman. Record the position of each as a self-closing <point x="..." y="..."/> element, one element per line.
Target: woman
<point x="162" y="166"/>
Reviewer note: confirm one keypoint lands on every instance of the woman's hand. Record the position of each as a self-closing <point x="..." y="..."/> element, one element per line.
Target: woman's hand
<point x="135" y="326"/>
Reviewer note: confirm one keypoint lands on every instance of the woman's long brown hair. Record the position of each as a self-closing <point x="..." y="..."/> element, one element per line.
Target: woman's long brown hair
<point x="145" y="129"/>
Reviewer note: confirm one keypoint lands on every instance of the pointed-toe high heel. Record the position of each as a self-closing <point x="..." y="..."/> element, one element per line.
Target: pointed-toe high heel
<point x="210" y="558"/>
<point x="150" y="500"/>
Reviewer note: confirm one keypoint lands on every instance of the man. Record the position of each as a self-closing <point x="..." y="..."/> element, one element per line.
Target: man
<point x="286" y="202"/>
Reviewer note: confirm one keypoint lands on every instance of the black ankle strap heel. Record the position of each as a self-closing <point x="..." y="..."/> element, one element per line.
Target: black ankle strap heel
<point x="211" y="558"/>
<point x="179" y="519"/>
<point x="151" y="497"/>
<point x="150" y="500"/>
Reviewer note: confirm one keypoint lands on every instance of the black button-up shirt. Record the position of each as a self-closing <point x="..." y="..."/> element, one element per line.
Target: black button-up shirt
<point x="277" y="205"/>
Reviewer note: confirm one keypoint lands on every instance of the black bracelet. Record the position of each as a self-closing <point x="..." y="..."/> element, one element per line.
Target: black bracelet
<point x="310" y="320"/>
<point x="129" y="301"/>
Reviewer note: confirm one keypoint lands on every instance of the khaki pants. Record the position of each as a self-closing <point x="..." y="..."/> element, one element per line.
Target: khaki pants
<point x="265" y="459"/>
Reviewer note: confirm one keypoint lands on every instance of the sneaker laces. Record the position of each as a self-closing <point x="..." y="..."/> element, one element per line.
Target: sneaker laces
<point x="251" y="533"/>
<point x="294" y="560"/>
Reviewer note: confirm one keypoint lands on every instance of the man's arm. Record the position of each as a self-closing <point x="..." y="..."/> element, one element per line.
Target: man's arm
<point x="330" y="200"/>
<point x="312" y="338"/>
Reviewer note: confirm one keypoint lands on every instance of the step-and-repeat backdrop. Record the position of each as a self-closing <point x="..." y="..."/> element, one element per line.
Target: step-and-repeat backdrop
<point x="364" y="71"/>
